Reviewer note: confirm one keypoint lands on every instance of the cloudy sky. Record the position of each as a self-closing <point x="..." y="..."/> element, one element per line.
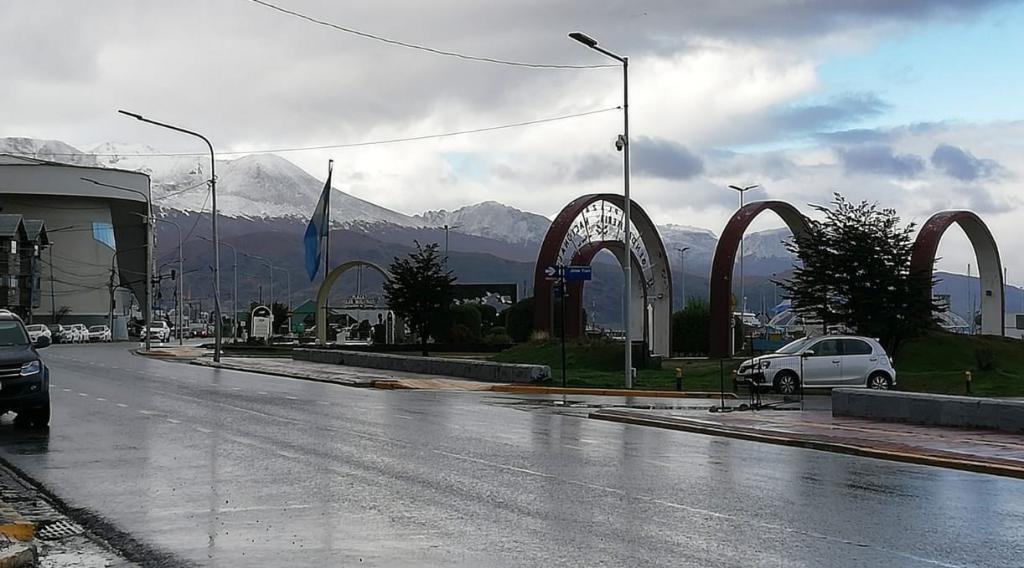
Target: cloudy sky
<point x="915" y="104"/>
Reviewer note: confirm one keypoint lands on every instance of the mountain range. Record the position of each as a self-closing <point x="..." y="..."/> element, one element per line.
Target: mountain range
<point x="265" y="200"/>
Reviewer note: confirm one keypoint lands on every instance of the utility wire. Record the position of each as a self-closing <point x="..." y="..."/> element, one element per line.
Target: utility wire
<point x="423" y="47"/>
<point x="351" y="144"/>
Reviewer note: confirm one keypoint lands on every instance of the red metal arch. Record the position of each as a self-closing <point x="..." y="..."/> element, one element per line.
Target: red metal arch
<point x="725" y="258"/>
<point x="990" y="270"/>
<point x="549" y="253"/>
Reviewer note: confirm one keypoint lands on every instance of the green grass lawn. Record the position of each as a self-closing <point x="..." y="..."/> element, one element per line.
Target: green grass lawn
<point x="599" y="364"/>
<point x="932" y="363"/>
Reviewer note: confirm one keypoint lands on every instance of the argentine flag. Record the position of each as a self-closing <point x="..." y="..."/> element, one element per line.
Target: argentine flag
<point x="317" y="228"/>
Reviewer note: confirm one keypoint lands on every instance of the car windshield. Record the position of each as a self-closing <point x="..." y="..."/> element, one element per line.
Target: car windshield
<point x="96" y="328"/>
<point x="12" y="333"/>
<point x="794" y="347"/>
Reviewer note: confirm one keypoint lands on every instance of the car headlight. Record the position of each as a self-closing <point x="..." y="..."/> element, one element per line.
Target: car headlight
<point x="31" y="368"/>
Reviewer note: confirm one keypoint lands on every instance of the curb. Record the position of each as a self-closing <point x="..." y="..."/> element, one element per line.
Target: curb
<point x="808" y="442"/>
<point x="18" y="555"/>
<point x="14" y="526"/>
<point x="230" y="367"/>
<point x="531" y="389"/>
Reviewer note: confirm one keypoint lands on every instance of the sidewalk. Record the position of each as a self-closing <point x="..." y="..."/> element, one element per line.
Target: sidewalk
<point x="34" y="532"/>
<point x="984" y="451"/>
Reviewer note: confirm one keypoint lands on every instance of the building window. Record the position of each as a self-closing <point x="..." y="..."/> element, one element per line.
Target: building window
<point x="14" y="247"/>
<point x="104" y="233"/>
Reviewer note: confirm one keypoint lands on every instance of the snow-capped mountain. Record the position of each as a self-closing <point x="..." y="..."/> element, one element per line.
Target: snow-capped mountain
<point x="492" y="220"/>
<point x="268" y="187"/>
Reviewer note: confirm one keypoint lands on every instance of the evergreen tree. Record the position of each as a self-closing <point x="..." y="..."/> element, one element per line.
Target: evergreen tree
<point x="856" y="273"/>
<point x="420" y="289"/>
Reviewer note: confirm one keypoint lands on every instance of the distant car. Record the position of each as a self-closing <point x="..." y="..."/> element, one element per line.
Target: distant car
<point x="77" y="333"/>
<point x="822" y="362"/>
<point x="25" y="379"/>
<point x="37" y="330"/>
<point x="99" y="333"/>
<point x="158" y="331"/>
<point x="58" y="333"/>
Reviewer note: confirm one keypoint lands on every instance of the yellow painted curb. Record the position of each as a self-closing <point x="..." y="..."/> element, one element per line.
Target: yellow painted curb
<point x="535" y="389"/>
<point x="975" y="466"/>
<point x="19" y="530"/>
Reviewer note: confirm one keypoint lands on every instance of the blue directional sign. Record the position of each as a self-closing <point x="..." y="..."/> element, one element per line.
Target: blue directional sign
<point x="553" y="272"/>
<point x="577" y="273"/>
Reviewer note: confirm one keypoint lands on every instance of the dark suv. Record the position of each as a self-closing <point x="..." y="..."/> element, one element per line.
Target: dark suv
<point x="24" y="379"/>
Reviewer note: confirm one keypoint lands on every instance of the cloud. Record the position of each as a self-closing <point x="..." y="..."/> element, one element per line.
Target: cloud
<point x="838" y="111"/>
<point x="660" y="158"/>
<point x="651" y="157"/>
<point x="960" y="164"/>
<point x="880" y="159"/>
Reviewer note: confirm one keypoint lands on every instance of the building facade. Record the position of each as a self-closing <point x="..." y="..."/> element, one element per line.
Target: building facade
<point x="93" y="266"/>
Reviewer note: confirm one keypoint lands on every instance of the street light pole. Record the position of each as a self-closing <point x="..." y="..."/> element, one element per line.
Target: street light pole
<point x="218" y="332"/>
<point x="234" y="292"/>
<point x="682" y="271"/>
<point x="622" y="143"/>
<point x="181" y="273"/>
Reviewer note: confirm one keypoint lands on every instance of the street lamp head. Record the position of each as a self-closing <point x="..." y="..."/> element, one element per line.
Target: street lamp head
<point x="745" y="188"/>
<point x="584" y="39"/>
<point x="131" y="114"/>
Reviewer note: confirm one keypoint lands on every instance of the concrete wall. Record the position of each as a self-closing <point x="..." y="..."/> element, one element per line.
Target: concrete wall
<point x="475" y="370"/>
<point x="930" y="409"/>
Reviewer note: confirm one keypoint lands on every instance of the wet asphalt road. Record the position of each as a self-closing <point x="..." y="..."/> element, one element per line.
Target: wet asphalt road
<point x="224" y="468"/>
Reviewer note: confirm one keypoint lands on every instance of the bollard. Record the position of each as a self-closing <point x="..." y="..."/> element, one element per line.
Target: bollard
<point x="679" y="378"/>
<point x="967" y="381"/>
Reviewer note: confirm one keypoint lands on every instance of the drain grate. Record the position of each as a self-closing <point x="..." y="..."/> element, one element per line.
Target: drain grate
<point x="58" y="530"/>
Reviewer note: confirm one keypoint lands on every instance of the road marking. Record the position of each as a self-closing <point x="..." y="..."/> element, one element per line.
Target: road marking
<point x="573" y="447"/>
<point x="261" y="392"/>
<point x="147" y="412"/>
<point x="173" y="421"/>
<point x="236" y="388"/>
<point x="82" y="394"/>
<point x="403" y="417"/>
<point x="586" y="441"/>
<point x="101" y="399"/>
<point x="291" y="398"/>
<point x="203" y="430"/>
<point x="322" y="402"/>
<point x="67" y="390"/>
<point x="122" y="405"/>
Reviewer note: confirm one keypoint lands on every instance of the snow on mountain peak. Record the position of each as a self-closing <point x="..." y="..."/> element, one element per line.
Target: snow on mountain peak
<point x="491" y="219"/>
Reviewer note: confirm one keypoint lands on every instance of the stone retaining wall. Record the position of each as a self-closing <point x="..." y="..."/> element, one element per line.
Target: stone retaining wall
<point x="461" y="368"/>
<point x="930" y="409"/>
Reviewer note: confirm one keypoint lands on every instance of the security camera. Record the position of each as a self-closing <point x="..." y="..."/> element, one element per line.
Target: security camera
<point x="620" y="142"/>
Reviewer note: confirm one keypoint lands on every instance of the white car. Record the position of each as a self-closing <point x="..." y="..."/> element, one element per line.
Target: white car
<point x="99" y="333"/>
<point x="158" y="331"/>
<point x="36" y="330"/>
<point x="79" y="333"/>
<point x="822" y="362"/>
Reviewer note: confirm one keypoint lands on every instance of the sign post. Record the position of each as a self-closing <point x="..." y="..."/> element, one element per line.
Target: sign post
<point x="561" y="275"/>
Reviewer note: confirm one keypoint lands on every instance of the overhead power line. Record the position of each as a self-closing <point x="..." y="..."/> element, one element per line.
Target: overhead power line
<point x="347" y="145"/>
<point x="423" y="47"/>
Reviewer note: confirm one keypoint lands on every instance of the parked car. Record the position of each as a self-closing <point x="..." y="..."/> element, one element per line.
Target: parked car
<point x="99" y="333"/>
<point x="57" y="333"/>
<point x="158" y="331"/>
<point x="37" y="330"/>
<point x="822" y="362"/>
<point x="24" y="378"/>
<point x="80" y="333"/>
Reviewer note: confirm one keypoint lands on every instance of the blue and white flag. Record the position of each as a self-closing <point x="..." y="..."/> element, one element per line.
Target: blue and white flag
<point x="317" y="229"/>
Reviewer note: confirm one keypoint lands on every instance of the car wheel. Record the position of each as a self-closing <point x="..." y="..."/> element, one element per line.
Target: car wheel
<point x="787" y="383"/>
<point x="879" y="381"/>
<point x="38" y="417"/>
